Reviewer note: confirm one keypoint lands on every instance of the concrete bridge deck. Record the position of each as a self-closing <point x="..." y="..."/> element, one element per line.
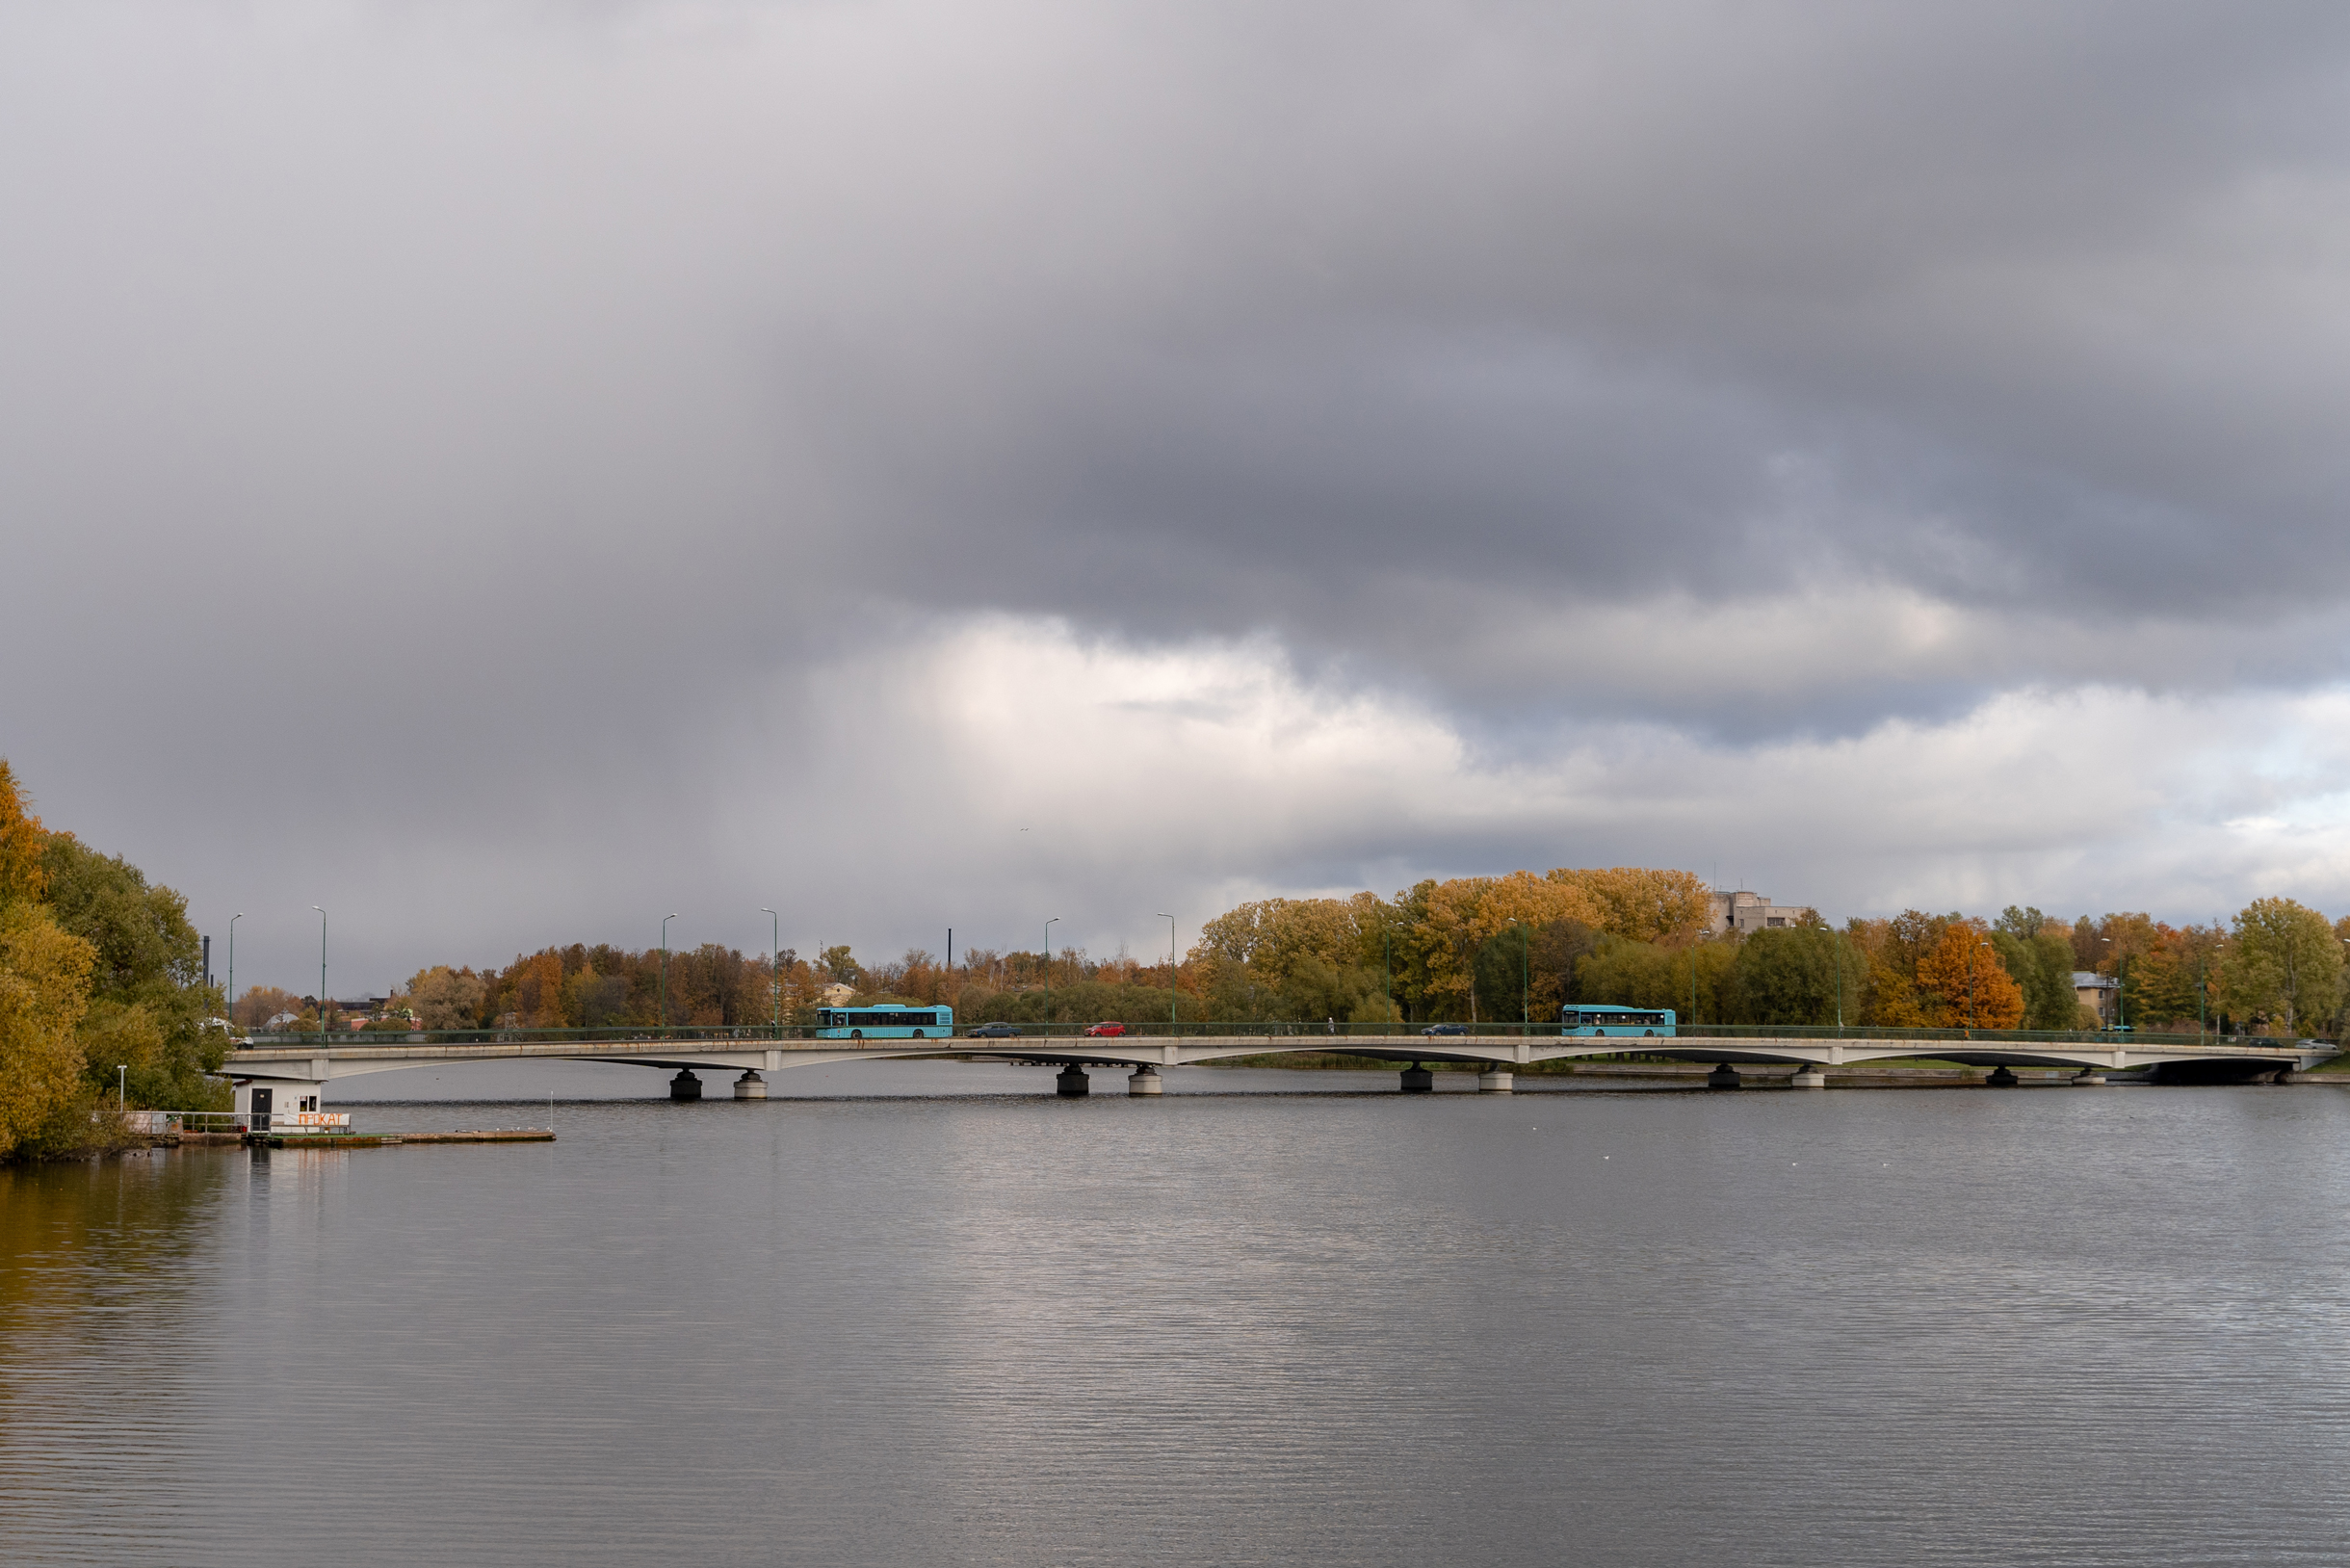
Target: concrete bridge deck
<point x="753" y="1057"/>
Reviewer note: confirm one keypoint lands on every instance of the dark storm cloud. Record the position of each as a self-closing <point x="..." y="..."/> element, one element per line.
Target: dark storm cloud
<point x="438" y="431"/>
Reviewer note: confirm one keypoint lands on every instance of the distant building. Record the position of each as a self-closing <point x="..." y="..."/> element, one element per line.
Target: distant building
<point x="1744" y="911"/>
<point x="2095" y="990"/>
<point x="835" y="995"/>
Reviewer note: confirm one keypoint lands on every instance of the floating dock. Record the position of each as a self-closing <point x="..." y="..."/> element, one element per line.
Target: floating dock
<point x="379" y="1140"/>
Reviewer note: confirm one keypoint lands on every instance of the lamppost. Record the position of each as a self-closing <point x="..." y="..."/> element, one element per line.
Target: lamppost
<point x="1836" y="953"/>
<point x="1974" y="962"/>
<point x="1387" y="973"/>
<point x="232" y="964"/>
<point x="2203" y="985"/>
<point x="1525" y="978"/>
<point x="122" y="1086"/>
<point x="1170" y="920"/>
<point x="2121" y="1016"/>
<point x="322" y="969"/>
<point x="662" y="1007"/>
<point x="1048" y="974"/>
<point x="775" y="966"/>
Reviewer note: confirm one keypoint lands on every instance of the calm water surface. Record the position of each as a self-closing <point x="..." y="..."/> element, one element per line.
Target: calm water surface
<point x="932" y="1314"/>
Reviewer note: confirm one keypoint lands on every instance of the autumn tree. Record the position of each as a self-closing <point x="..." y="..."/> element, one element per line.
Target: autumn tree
<point x="22" y="878"/>
<point x="1961" y="982"/>
<point x="2165" y="987"/>
<point x="446" y="998"/>
<point x="44" y="994"/>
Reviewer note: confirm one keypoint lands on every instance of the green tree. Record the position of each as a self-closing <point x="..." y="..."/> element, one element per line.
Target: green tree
<point x="1650" y="974"/>
<point x="2287" y="965"/>
<point x="2022" y="924"/>
<point x="1797" y="975"/>
<point x="151" y="1011"/>
<point x="2041" y="965"/>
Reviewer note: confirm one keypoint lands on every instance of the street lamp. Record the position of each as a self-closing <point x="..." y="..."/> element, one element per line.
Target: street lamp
<point x="1974" y="962"/>
<point x="1525" y="978"/>
<point x="322" y="969"/>
<point x="1048" y="974"/>
<point x="1170" y="920"/>
<point x="2120" y="1010"/>
<point x="775" y="966"/>
<point x="122" y="1085"/>
<point x="1387" y="973"/>
<point x="232" y="964"/>
<point x="662" y="1007"/>
<point x="2203" y="986"/>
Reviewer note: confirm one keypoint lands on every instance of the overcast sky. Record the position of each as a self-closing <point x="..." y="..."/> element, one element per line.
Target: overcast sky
<point x="507" y="472"/>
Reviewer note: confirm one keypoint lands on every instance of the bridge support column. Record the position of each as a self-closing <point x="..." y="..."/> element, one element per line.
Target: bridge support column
<point x="2087" y="1077"/>
<point x="1146" y="1080"/>
<point x="1809" y="1077"/>
<point x="2285" y="1075"/>
<point x="685" y="1086"/>
<point x="1072" y="1080"/>
<point x="1723" y="1077"/>
<point x="1496" y="1081"/>
<point x="2000" y="1078"/>
<point x="750" y="1086"/>
<point x="1417" y="1080"/>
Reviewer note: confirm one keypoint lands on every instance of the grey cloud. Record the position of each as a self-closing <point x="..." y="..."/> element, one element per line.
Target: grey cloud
<point x="435" y="429"/>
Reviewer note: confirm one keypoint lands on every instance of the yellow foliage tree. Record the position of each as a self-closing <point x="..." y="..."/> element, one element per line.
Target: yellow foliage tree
<point x="45" y="989"/>
<point x="1964" y="972"/>
<point x="1641" y="903"/>
<point x="21" y="876"/>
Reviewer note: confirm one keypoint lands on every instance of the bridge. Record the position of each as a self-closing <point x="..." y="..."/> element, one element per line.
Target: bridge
<point x="299" y="1066"/>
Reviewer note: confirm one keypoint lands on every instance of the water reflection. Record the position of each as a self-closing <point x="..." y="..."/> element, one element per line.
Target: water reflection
<point x="2060" y="1327"/>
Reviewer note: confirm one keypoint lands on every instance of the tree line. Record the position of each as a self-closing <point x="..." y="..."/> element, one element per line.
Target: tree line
<point x="102" y="991"/>
<point x="1490" y="950"/>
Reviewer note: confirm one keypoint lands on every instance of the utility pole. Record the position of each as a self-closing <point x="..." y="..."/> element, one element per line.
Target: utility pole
<point x="774" y="967"/>
<point x="1048" y="974"/>
<point x="663" y="1005"/>
<point x="1170" y="920"/>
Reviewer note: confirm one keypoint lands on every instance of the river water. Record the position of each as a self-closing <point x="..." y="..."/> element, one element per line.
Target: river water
<point x="929" y="1313"/>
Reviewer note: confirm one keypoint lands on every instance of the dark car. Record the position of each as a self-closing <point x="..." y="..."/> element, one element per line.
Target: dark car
<point x="994" y="1032"/>
<point x="1106" y="1031"/>
<point x="1445" y="1029"/>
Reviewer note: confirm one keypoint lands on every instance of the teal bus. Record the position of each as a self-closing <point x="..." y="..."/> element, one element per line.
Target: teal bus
<point x="1603" y="1018"/>
<point x="884" y="1023"/>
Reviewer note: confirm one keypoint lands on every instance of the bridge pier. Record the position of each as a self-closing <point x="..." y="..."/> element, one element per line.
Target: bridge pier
<point x="750" y="1086"/>
<point x="2000" y="1078"/>
<point x="1496" y="1081"/>
<point x="1145" y="1080"/>
<point x="1072" y="1080"/>
<point x="1723" y="1077"/>
<point x="2087" y="1077"/>
<point x="685" y="1086"/>
<point x="1417" y="1080"/>
<point x="1809" y="1077"/>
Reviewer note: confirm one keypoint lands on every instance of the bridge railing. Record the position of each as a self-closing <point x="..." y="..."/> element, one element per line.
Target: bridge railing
<point x="1278" y="1035"/>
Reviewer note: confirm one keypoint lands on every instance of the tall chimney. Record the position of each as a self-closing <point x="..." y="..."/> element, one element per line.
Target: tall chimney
<point x="208" y="961"/>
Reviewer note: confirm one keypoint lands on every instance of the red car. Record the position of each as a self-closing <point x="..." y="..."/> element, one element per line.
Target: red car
<point x="1107" y="1031"/>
